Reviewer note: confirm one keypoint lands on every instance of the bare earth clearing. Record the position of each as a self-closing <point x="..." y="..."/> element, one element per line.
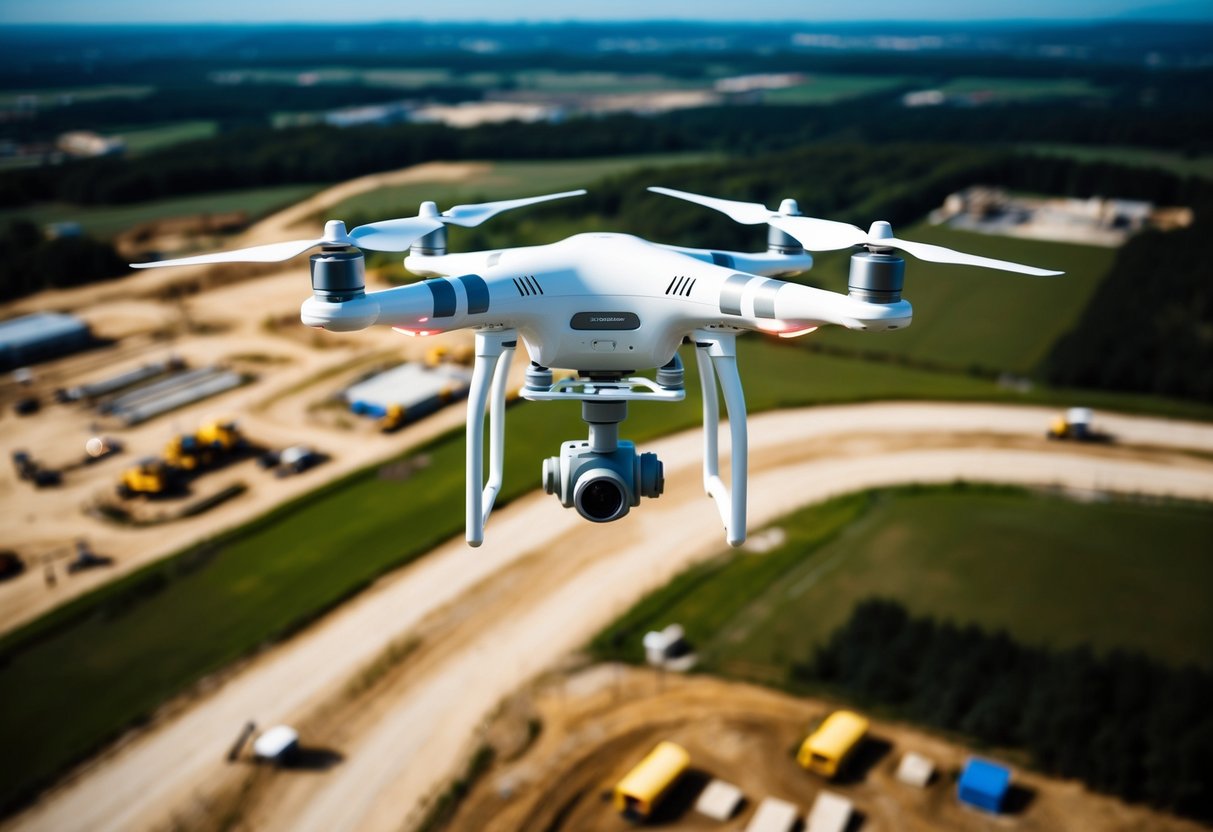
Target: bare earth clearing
<point x="477" y="624"/>
<point x="598" y="723"/>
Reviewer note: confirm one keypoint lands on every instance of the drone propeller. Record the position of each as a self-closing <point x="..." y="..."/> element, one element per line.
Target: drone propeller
<point x="829" y="235"/>
<point x="385" y="235"/>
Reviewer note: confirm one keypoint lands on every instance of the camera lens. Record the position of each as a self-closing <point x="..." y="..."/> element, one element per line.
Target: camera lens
<point x="601" y="499"/>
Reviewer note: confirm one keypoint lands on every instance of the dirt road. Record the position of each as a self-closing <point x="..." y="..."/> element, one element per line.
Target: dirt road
<point x="543" y="583"/>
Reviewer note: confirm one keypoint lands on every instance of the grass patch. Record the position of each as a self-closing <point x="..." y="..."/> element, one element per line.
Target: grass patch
<point x="1049" y="571"/>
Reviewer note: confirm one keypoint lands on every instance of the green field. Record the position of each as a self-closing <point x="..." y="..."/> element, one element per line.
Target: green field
<point x="965" y="317"/>
<point x="830" y="89"/>
<point x="1139" y="157"/>
<point x="1023" y="89"/>
<point x="147" y="138"/>
<point x="1047" y="570"/>
<point x="504" y="180"/>
<point x="109" y="220"/>
<point x="69" y="95"/>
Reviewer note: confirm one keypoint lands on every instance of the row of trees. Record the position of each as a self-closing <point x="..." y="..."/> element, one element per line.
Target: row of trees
<point x="253" y="156"/>
<point x="31" y="262"/>
<point x="1122" y="723"/>
<point x="1150" y="327"/>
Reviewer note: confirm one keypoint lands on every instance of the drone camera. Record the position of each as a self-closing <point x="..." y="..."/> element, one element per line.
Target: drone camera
<point x="602" y="485"/>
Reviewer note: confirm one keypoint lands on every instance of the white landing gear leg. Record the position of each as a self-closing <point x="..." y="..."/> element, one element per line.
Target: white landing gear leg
<point x="489" y="375"/>
<point x="716" y="354"/>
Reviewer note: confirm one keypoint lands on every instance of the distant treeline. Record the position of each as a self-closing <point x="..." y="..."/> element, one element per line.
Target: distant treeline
<point x="32" y="262"/>
<point x="257" y="156"/>
<point x="1122" y="723"/>
<point x="1149" y="329"/>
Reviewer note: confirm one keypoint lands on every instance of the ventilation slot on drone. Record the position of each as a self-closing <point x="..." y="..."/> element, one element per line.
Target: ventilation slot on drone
<point x="527" y="286"/>
<point x="680" y="285"/>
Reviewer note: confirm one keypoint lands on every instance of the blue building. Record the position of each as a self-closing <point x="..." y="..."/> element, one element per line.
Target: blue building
<point x="984" y="784"/>
<point x="42" y="335"/>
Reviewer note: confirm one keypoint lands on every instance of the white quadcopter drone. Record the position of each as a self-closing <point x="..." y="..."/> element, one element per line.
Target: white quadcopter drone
<point x="605" y="306"/>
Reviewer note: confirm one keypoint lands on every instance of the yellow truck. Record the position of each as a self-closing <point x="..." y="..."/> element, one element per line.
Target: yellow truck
<point x="827" y="749"/>
<point x="642" y="788"/>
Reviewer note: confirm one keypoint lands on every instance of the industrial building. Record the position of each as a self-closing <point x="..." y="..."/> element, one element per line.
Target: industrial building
<point x="417" y="389"/>
<point x="41" y="336"/>
<point x="830" y="813"/>
<point x="915" y="770"/>
<point x="984" y="784"/>
<point x="773" y="815"/>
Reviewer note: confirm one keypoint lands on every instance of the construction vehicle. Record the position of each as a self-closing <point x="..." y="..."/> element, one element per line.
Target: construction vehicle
<point x="397" y="416"/>
<point x="86" y="558"/>
<point x="1076" y="424"/>
<point x="210" y="444"/>
<point x="293" y="460"/>
<point x="152" y="477"/>
<point x="30" y="470"/>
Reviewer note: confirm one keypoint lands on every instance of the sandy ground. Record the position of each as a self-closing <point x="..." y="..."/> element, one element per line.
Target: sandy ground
<point x="487" y="620"/>
<point x="599" y="722"/>
<point x="294" y="369"/>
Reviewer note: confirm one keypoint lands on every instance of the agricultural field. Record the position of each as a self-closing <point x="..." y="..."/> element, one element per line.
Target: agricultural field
<point x="71" y="95"/>
<point x="145" y="138"/>
<point x="1047" y="570"/>
<point x="106" y="221"/>
<point x="957" y="308"/>
<point x="1022" y="89"/>
<point x="830" y="89"/>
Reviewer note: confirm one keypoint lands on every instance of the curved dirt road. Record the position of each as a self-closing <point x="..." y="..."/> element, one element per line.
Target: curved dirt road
<point x="542" y="584"/>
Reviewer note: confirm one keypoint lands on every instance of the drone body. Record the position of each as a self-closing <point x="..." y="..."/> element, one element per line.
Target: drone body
<point x="606" y="306"/>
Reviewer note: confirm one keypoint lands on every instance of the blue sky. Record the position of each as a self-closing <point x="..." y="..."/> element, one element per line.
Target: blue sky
<point x="244" y="11"/>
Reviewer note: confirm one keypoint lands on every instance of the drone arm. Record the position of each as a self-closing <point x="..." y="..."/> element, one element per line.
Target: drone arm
<point x="716" y="354"/>
<point x="800" y="307"/>
<point x="489" y="376"/>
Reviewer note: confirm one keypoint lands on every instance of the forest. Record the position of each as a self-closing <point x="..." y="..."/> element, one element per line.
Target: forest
<point x="1123" y="724"/>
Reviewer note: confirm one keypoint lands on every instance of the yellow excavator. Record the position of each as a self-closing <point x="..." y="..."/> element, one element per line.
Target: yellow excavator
<point x="188" y="453"/>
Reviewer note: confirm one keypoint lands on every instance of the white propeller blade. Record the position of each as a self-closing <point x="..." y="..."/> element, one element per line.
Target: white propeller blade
<point x="939" y="254"/>
<point x="387" y="235"/>
<point x="393" y="235"/>
<point x="828" y="235"/>
<point x="746" y="213"/>
<point x="472" y="215"/>
<point x="272" y="253"/>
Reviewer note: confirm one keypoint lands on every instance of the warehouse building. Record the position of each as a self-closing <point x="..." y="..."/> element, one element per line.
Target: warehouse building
<point x="41" y="336"/>
<point x="416" y="388"/>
